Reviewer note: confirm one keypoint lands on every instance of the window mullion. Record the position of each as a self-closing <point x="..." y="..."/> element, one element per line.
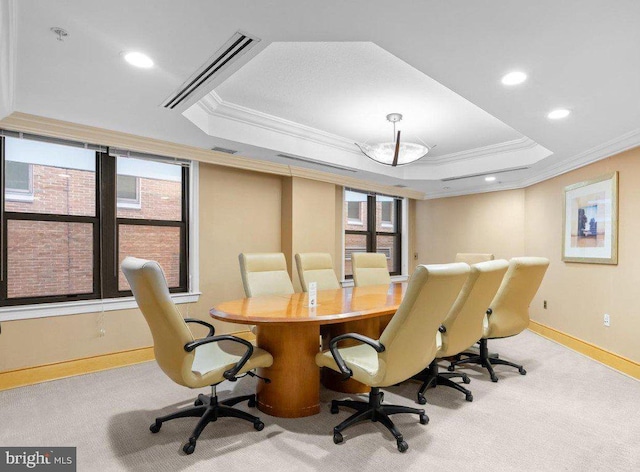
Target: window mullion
<point x="108" y="227"/>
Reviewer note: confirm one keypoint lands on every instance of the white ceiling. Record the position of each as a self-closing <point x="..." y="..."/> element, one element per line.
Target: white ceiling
<point x="332" y="70"/>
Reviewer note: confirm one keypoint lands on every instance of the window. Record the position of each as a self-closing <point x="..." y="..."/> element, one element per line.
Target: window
<point x="18" y="177"/>
<point x="66" y="243"/>
<point x="377" y="230"/>
<point x="354" y="212"/>
<point x="128" y="191"/>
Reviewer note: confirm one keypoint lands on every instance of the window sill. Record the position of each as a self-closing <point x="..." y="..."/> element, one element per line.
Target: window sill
<point x="394" y="278"/>
<point x="44" y="310"/>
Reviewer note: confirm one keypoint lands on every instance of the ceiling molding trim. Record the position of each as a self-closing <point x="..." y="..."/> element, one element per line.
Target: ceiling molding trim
<point x="8" y="48"/>
<point x="614" y="146"/>
<point x="214" y="105"/>
<point x="83" y="133"/>
<point x="355" y="183"/>
<point x="490" y="150"/>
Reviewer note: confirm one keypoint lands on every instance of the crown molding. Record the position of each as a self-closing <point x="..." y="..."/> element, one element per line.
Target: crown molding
<point x="610" y="148"/>
<point x="76" y="132"/>
<point x="214" y="105"/>
<point x="602" y="151"/>
<point x="490" y="150"/>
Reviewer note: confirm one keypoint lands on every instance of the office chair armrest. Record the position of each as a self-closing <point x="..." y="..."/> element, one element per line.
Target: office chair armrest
<point x="212" y="330"/>
<point x="231" y="373"/>
<point x="333" y="347"/>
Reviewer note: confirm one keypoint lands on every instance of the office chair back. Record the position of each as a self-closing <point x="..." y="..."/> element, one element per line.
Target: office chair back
<point x="370" y="268"/>
<point x="316" y="267"/>
<point x="473" y="257"/>
<point x="265" y="274"/>
<point x="170" y="332"/>
<point x="410" y="337"/>
<point x="510" y="306"/>
<point x="464" y="324"/>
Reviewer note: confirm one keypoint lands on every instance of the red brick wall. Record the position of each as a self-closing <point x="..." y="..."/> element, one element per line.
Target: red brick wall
<point x="358" y="241"/>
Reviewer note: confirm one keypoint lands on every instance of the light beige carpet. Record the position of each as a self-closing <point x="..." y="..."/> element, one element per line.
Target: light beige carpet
<point x="568" y="413"/>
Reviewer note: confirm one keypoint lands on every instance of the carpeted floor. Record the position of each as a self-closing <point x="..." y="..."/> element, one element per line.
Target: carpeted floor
<point x="568" y="413"/>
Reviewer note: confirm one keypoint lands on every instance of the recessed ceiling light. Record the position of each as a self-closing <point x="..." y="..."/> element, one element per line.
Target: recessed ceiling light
<point x="138" y="59"/>
<point x="558" y="114"/>
<point x="514" y="78"/>
<point x="491" y="178"/>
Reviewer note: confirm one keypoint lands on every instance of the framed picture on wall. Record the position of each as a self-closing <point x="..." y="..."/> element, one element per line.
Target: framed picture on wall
<point x="590" y="221"/>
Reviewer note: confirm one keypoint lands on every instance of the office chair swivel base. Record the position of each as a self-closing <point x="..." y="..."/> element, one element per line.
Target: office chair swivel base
<point x="431" y="378"/>
<point x="484" y="359"/>
<point x="208" y="409"/>
<point x="375" y="411"/>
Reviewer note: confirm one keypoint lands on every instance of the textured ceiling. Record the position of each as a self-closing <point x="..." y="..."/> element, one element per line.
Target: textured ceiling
<point x="580" y="54"/>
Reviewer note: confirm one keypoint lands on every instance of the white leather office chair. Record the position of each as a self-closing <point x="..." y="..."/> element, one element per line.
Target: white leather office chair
<point x="508" y="313"/>
<point x="316" y="267"/>
<point x="406" y="347"/>
<point x="193" y="363"/>
<point x="369" y="268"/>
<point x="464" y="324"/>
<point x="265" y="274"/>
<point x="473" y="257"/>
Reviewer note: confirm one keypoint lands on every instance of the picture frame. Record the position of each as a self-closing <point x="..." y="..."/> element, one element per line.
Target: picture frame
<point x="590" y="221"/>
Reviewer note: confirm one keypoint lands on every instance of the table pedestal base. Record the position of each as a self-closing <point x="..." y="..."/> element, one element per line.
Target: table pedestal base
<point x="294" y="390"/>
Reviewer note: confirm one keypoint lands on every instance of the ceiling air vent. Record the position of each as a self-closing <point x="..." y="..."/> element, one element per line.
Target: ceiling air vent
<point x="318" y="163"/>
<point x="483" y="174"/>
<point x="225" y="150"/>
<point x="222" y="61"/>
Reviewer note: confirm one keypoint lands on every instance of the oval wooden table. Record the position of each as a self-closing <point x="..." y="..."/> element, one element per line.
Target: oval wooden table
<point x="289" y="329"/>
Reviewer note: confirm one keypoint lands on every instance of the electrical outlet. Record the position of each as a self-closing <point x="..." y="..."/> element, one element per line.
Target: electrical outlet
<point x="102" y="332"/>
<point x="544" y="304"/>
<point x="607" y="320"/>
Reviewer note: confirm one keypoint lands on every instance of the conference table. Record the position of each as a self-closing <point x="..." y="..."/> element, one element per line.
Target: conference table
<point x="290" y="329"/>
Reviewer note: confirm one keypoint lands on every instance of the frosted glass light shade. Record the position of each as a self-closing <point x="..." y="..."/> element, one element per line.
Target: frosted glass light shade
<point x="384" y="152"/>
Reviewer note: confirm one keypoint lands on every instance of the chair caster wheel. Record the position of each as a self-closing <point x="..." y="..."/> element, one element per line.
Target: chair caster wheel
<point x="334" y="409"/>
<point x="155" y="427"/>
<point x="402" y="446"/>
<point x="258" y="425"/>
<point x="198" y="402"/>
<point x="424" y="419"/>
<point x="421" y="399"/>
<point x="189" y="447"/>
<point x="451" y="368"/>
<point x="468" y="397"/>
<point x="337" y="438"/>
<point x="494" y="378"/>
<point x="522" y="371"/>
<point x="252" y="402"/>
<point x="466" y="379"/>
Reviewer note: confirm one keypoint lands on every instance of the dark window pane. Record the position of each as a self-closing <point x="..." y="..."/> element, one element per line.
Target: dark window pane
<point x="49" y="258"/>
<point x="157" y="243"/>
<point x="385" y="214"/>
<point x="158" y="190"/>
<point x="63" y="178"/>
<point x="353" y="243"/>
<point x="387" y="246"/>
<point x="355" y="210"/>
<point x="18" y="177"/>
<point x="128" y="189"/>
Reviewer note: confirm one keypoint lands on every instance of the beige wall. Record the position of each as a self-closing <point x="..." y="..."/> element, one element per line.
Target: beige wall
<point x="487" y="222"/>
<point x="308" y="221"/>
<point x="578" y="295"/>
<point x="529" y="222"/>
